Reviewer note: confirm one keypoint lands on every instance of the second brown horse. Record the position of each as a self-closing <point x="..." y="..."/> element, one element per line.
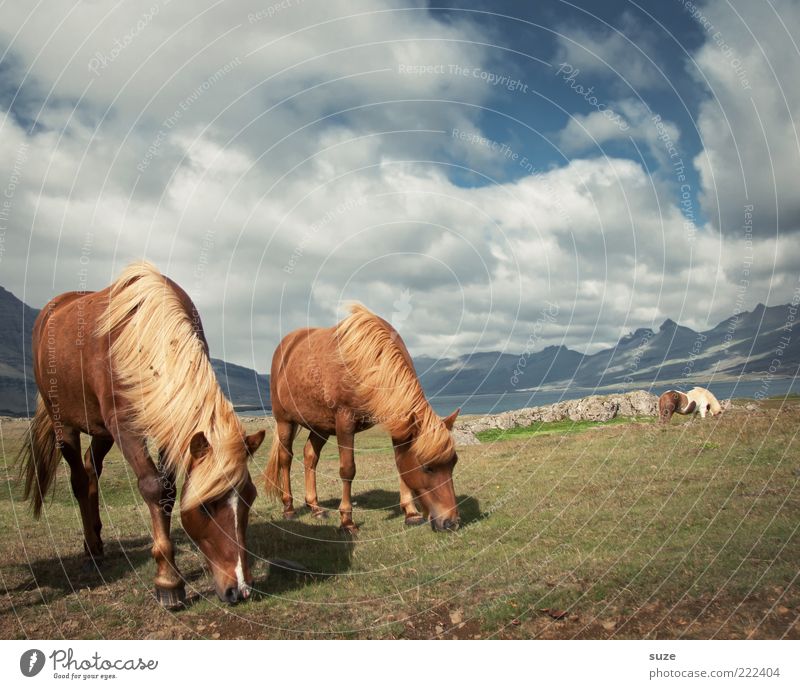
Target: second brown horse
<point x="346" y="379"/>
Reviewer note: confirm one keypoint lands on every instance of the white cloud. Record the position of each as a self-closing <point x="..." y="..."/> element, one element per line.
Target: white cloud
<point x="270" y="219"/>
<point x="625" y="54"/>
<point x="748" y="123"/>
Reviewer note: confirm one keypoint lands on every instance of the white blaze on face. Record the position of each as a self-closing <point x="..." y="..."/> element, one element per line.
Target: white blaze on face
<point x="233" y="502"/>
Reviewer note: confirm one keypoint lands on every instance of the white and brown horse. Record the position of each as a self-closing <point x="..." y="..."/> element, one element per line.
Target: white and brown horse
<point x="696" y="401"/>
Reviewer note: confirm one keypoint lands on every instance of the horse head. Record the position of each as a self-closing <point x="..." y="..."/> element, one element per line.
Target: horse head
<point x="430" y="476"/>
<point x="218" y="525"/>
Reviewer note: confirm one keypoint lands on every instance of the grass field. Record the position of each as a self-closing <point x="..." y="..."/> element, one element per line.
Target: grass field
<point x="625" y="530"/>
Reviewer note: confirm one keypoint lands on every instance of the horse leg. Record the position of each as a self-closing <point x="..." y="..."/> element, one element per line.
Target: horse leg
<point x="311" y="453"/>
<point x="93" y="465"/>
<point x="413" y="518"/>
<point x="286" y="434"/>
<point x="71" y="451"/>
<point x="159" y="493"/>
<point x="347" y="472"/>
<point x="172" y="597"/>
<point x="169" y="487"/>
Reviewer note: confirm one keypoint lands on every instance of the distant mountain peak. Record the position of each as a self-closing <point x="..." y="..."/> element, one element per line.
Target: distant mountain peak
<point x="638" y="335"/>
<point x="668" y="324"/>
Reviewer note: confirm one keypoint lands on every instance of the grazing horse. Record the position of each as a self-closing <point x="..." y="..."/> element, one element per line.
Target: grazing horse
<point x="129" y="363"/>
<point x="696" y="401"/>
<point x="343" y="380"/>
<point x="672" y="402"/>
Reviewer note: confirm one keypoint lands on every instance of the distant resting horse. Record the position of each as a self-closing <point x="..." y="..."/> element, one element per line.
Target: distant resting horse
<point x="696" y="401"/>
<point x="343" y="380"/>
<point x="129" y="363"/>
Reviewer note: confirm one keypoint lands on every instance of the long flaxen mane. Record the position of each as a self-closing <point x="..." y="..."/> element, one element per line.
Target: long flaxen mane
<point x="161" y="369"/>
<point x="388" y="384"/>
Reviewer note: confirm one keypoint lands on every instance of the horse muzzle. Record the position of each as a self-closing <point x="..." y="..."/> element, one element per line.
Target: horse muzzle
<point x="445" y="524"/>
<point x="235" y="594"/>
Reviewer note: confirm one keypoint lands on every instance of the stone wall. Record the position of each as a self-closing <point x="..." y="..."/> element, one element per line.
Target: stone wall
<point x="593" y="408"/>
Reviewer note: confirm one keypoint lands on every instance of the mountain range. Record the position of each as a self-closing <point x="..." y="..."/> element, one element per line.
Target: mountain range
<point x="749" y="344"/>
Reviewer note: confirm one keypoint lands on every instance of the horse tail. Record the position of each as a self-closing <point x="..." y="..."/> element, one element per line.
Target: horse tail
<point x="272" y="474"/>
<point x="39" y="458"/>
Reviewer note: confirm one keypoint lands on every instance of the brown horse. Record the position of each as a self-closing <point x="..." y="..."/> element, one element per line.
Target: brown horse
<point x="672" y="402"/>
<point x="343" y="380"/>
<point x="129" y="363"/>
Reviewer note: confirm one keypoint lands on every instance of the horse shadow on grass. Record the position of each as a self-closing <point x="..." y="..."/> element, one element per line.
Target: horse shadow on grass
<point x="287" y="555"/>
<point x="378" y="499"/>
<point x="57" y="576"/>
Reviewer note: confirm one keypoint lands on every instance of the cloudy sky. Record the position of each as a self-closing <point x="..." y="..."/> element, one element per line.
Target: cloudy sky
<point x="457" y="170"/>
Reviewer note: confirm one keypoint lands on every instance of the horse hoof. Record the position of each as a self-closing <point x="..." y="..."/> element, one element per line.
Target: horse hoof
<point x="319" y="514"/>
<point x="171" y="599"/>
<point x="415" y="520"/>
<point x="350" y="529"/>
<point x="290" y="516"/>
<point x="91" y="565"/>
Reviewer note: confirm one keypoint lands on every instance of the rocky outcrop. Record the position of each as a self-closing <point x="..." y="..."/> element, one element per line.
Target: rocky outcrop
<point x="464" y="436"/>
<point x="593" y="408"/>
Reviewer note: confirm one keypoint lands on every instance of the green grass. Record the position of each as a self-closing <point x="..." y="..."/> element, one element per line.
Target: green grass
<point x="561" y="427"/>
<point x="633" y="529"/>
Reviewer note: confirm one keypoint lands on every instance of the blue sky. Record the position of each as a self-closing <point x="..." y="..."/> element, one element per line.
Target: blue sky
<point x="456" y="167"/>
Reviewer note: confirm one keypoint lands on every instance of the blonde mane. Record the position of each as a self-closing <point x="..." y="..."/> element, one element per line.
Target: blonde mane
<point x="387" y="382"/>
<point x="161" y="369"/>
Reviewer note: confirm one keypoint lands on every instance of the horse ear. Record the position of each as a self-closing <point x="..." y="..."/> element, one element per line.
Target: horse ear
<point x="414" y="425"/>
<point x="450" y="420"/>
<point x="253" y="442"/>
<point x="198" y="446"/>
